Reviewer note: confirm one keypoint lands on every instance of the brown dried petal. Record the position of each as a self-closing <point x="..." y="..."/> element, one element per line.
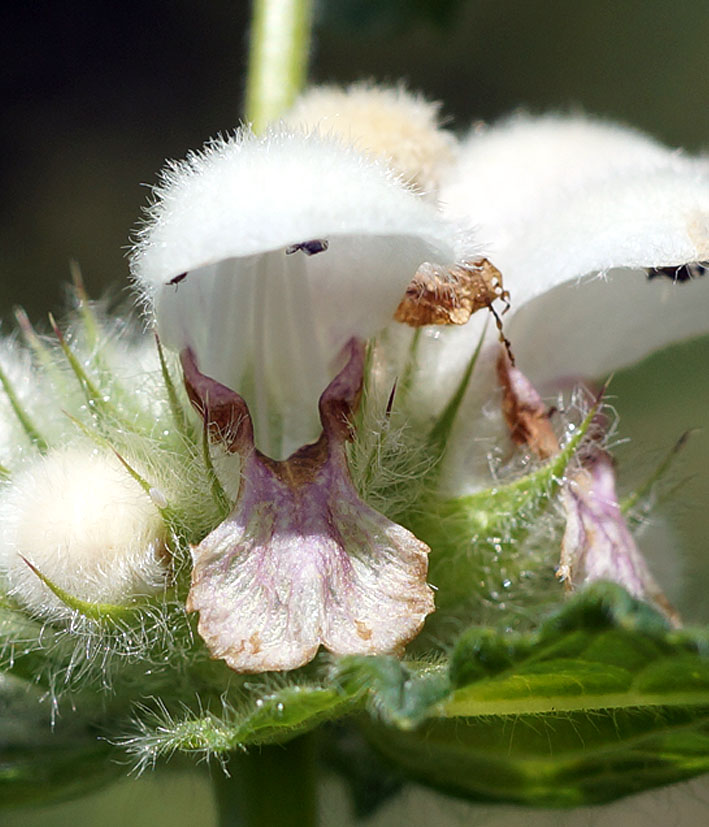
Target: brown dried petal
<point x="450" y="296"/>
<point x="526" y="415"/>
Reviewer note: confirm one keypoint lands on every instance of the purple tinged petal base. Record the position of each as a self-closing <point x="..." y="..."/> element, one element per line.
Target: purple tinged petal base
<point x="301" y="561"/>
<point x="597" y="544"/>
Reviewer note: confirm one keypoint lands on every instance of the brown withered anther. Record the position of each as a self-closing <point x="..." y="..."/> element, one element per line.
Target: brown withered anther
<point x="450" y="296"/>
<point x="526" y="415"/>
<point x="438" y="295"/>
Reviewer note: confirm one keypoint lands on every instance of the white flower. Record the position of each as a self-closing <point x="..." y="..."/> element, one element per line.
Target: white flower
<point x="602" y="237"/>
<point x="266" y="255"/>
<point x="266" y="263"/>
<point x="267" y="260"/>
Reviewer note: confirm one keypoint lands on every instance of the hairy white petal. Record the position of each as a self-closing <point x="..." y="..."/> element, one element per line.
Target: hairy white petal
<point x="635" y="220"/>
<point x="557" y="199"/>
<point x="507" y="174"/>
<point x="588" y="330"/>
<point x="248" y="195"/>
<point x="86" y="524"/>
<point x="576" y="214"/>
<point x="263" y="319"/>
<point x="582" y="302"/>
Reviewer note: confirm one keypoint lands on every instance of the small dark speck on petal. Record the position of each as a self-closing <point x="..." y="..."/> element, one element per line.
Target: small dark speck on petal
<point x="310" y="248"/>
<point x="177" y="279"/>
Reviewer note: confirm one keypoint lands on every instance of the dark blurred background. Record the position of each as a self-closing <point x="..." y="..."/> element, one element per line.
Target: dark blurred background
<point x="96" y="95"/>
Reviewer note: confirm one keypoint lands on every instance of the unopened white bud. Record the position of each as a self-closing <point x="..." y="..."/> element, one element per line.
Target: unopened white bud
<point x="86" y="525"/>
<point x="388" y="122"/>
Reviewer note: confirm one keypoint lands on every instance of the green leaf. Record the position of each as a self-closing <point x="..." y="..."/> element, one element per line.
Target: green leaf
<point x="553" y="760"/>
<point x="603" y="651"/>
<point x="290" y="710"/>
<point x="602" y="701"/>
<point x="399" y="693"/>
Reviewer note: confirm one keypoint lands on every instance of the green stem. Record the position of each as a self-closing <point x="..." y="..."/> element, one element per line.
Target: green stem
<point x="270" y="786"/>
<point x="278" y="58"/>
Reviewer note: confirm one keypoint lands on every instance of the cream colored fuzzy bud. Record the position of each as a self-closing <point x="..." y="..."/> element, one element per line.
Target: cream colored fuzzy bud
<point x="388" y="122"/>
<point x="86" y="525"/>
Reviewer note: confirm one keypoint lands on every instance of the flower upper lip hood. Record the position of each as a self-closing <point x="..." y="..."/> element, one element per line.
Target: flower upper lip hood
<point x="249" y="194"/>
<point x="533" y="173"/>
<point x="577" y="214"/>
<point x="563" y="198"/>
<point x="558" y="202"/>
<point x="268" y="324"/>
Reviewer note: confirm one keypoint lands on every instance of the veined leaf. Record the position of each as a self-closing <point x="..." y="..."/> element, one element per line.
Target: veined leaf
<point x="553" y="760"/>
<point x="604" y="700"/>
<point x="602" y="651"/>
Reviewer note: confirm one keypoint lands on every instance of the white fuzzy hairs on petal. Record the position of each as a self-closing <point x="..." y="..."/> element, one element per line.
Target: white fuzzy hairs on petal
<point x="575" y="213"/>
<point x="555" y="199"/>
<point x="508" y="172"/>
<point x="248" y="194"/>
<point x="266" y="320"/>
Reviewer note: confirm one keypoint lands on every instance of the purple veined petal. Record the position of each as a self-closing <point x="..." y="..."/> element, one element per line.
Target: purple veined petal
<point x="301" y="561"/>
<point x="597" y="544"/>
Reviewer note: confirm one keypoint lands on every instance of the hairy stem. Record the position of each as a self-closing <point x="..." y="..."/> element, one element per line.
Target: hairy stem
<point x="270" y="786"/>
<point x="278" y="58"/>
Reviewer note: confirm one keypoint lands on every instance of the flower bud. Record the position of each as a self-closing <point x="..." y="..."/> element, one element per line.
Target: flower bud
<point x="86" y="526"/>
<point x="390" y="123"/>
